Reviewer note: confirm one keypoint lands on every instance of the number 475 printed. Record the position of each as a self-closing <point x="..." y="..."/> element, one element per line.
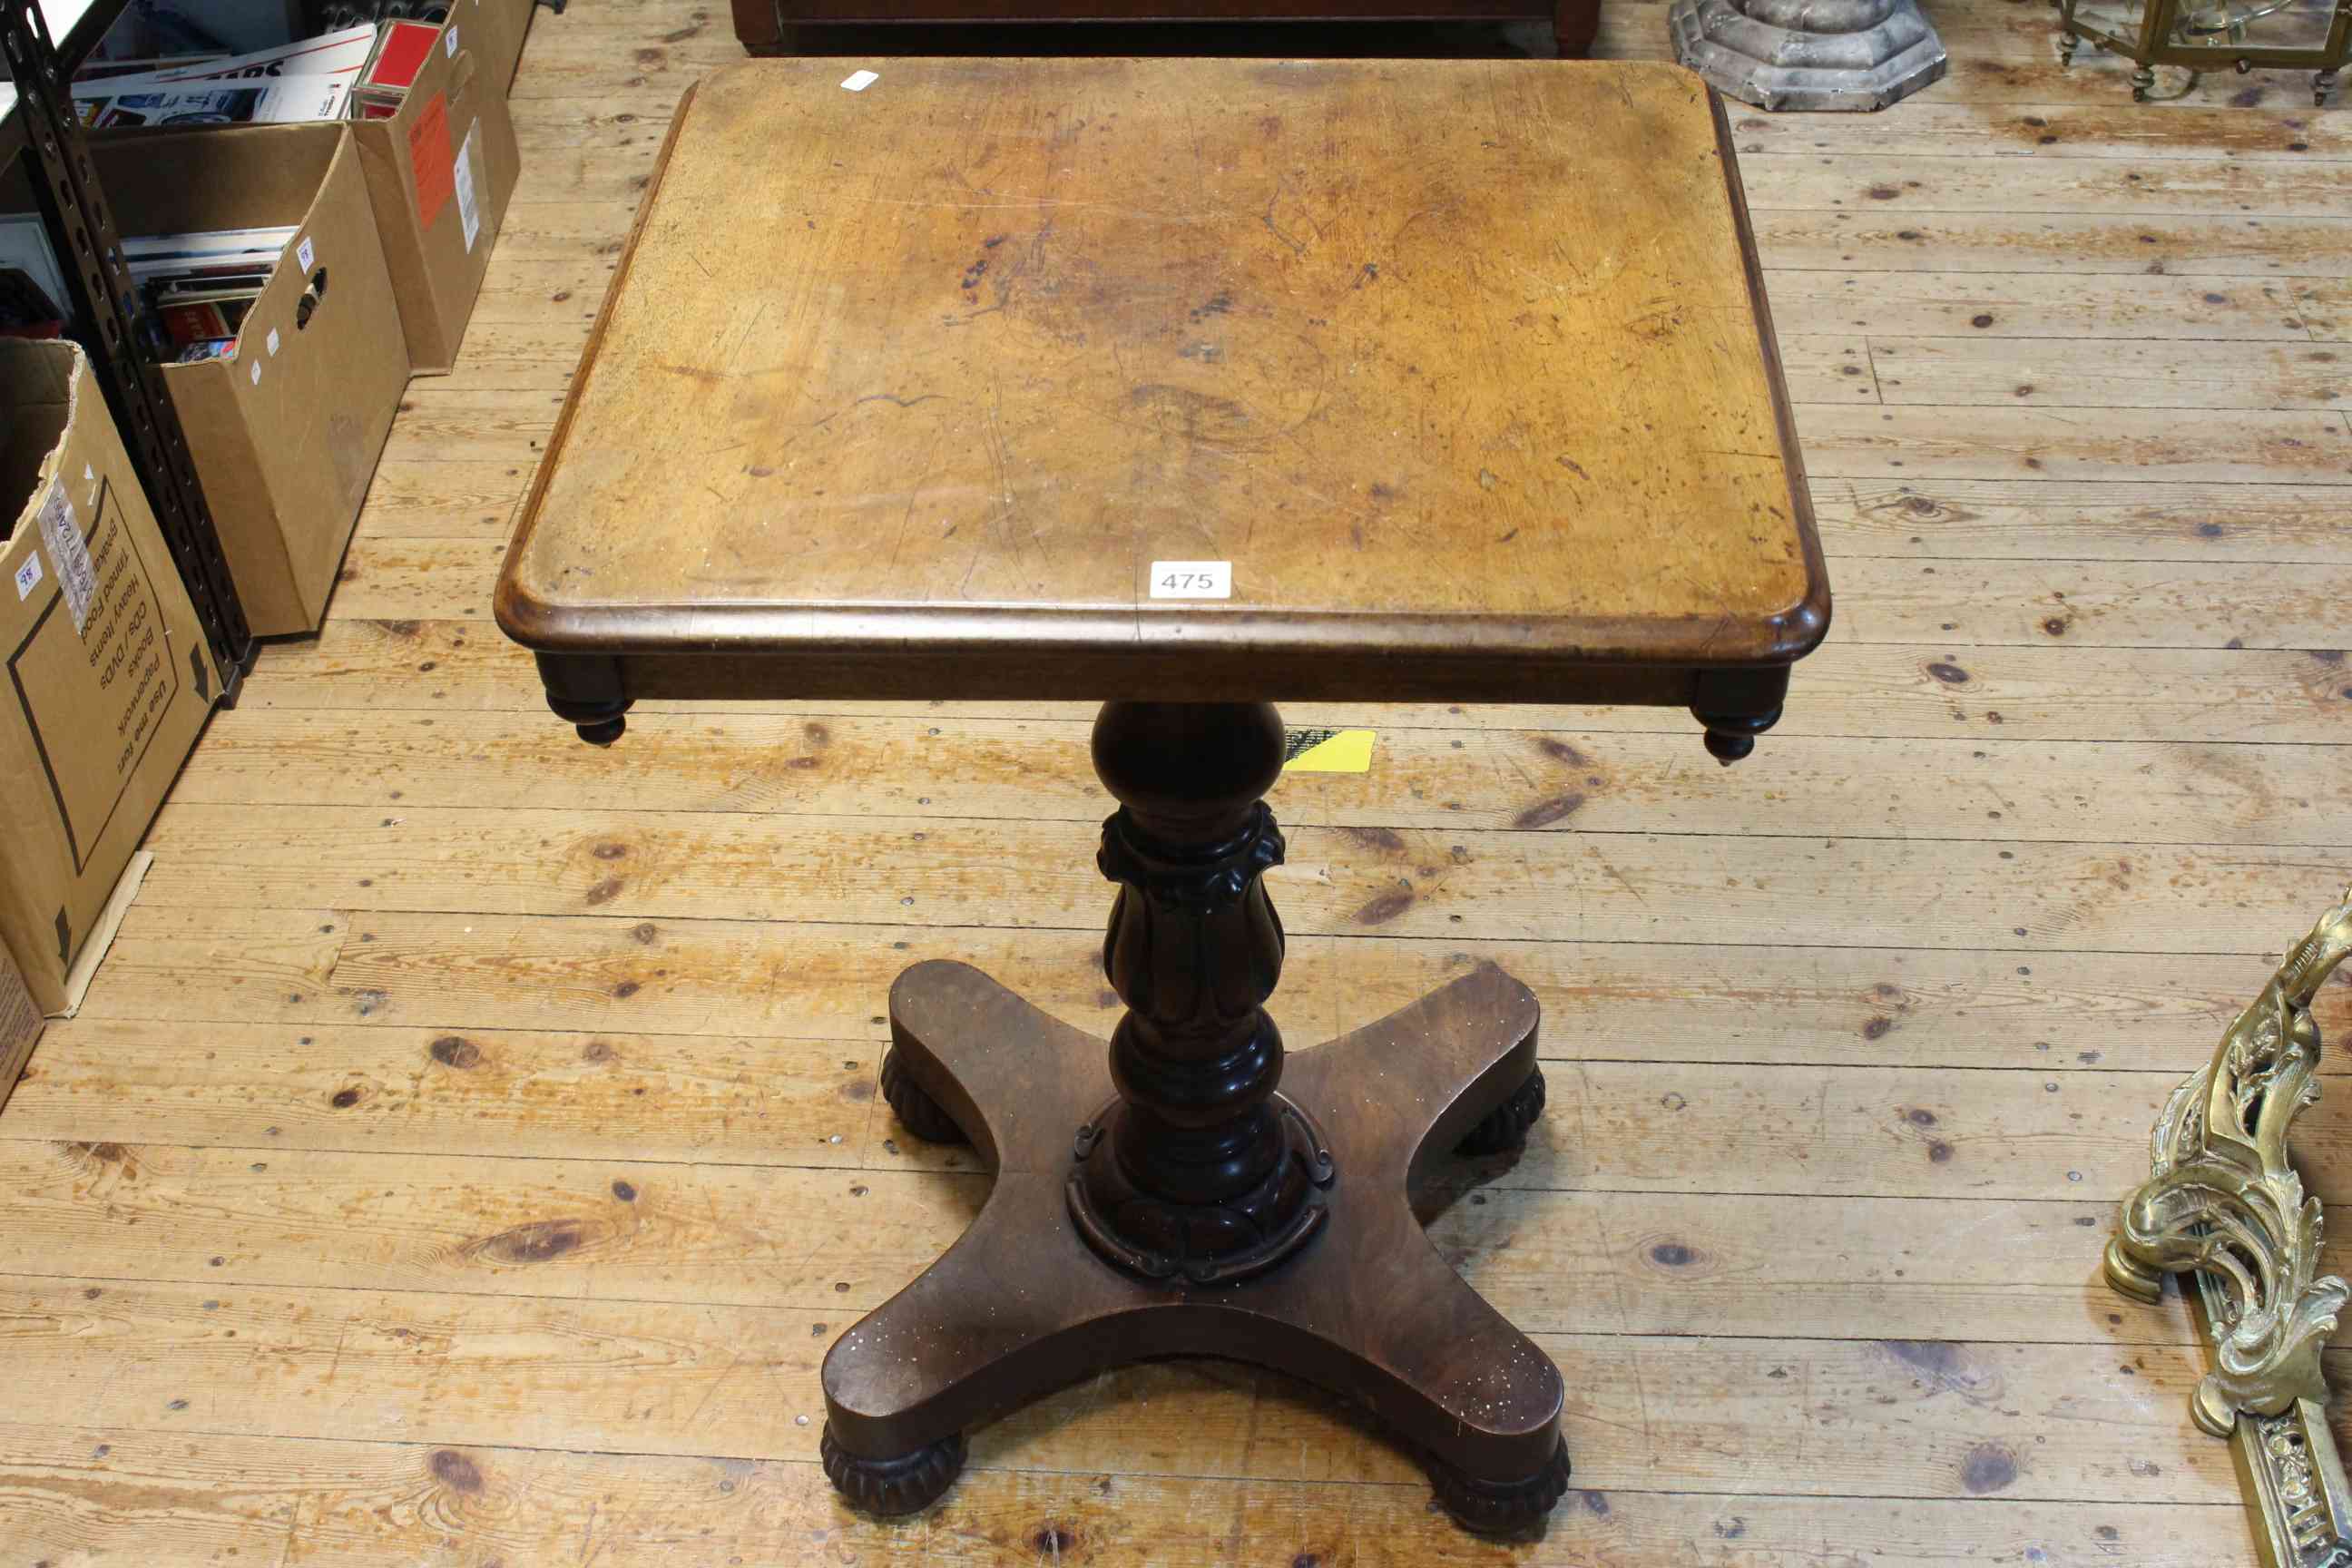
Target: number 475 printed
<point x="1191" y="579"/>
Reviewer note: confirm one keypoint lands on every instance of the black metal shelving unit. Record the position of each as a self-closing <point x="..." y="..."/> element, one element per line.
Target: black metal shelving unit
<point x="71" y="50"/>
<point x="125" y="351"/>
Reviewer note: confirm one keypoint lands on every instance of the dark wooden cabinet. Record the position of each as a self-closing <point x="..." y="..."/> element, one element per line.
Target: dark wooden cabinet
<point x="761" y="23"/>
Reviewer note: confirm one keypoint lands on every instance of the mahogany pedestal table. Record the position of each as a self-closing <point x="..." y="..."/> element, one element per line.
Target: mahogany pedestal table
<point x="1441" y="381"/>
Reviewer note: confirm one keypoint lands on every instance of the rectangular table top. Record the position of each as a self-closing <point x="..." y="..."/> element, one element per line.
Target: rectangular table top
<point x="1457" y="363"/>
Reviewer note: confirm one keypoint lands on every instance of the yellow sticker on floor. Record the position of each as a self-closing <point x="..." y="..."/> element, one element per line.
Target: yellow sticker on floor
<point x="1329" y="752"/>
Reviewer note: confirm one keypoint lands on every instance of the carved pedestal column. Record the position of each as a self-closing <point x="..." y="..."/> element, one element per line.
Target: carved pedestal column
<point x="1808" y="54"/>
<point x="1200" y="1168"/>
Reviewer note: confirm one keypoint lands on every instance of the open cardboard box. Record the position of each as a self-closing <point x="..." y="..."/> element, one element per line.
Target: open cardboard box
<point x="286" y="434"/>
<point x="440" y="172"/>
<point x="503" y="26"/>
<point x="109" y="679"/>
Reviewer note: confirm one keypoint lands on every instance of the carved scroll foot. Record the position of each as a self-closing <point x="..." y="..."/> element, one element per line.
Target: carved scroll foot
<point x="1505" y="1507"/>
<point x="906" y="1483"/>
<point x="1506" y="1128"/>
<point x="2214" y="1415"/>
<point x="2128" y="1275"/>
<point x="916" y="1111"/>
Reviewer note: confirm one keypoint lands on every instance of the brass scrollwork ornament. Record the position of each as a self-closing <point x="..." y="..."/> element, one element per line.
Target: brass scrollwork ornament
<point x="2222" y="1203"/>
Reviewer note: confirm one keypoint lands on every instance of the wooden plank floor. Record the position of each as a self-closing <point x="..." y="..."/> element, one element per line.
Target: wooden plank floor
<point x="471" y="1144"/>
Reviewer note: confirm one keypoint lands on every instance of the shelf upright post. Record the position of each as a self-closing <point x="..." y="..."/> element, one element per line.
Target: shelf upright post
<point x="125" y="356"/>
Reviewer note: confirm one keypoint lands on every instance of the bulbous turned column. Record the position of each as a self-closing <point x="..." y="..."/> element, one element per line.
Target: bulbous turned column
<point x="1200" y="1167"/>
<point x="1808" y="54"/>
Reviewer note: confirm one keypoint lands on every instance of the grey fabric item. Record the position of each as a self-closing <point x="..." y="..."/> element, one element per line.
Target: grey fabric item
<point x="1808" y="54"/>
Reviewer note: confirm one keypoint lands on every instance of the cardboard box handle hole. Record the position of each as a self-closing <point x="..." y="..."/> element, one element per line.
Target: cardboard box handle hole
<point x="309" y="302"/>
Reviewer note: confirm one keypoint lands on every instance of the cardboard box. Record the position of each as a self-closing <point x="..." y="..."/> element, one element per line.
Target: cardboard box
<point x="503" y="26"/>
<point x="286" y="433"/>
<point x="20" y="1025"/>
<point x="109" y="679"/>
<point x="440" y="172"/>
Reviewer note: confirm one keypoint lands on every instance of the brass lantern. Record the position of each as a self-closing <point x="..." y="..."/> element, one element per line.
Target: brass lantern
<point x="2206" y="34"/>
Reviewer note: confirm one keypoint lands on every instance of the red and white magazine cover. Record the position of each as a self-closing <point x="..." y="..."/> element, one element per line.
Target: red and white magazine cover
<point x="400" y="54"/>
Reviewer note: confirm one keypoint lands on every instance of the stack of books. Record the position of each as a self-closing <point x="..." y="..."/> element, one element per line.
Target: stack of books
<point x="199" y="286"/>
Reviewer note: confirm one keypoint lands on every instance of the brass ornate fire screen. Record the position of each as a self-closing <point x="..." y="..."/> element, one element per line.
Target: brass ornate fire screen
<point x="2224" y="1204"/>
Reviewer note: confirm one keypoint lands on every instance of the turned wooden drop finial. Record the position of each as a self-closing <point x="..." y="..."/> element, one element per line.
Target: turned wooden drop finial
<point x="1736" y="706"/>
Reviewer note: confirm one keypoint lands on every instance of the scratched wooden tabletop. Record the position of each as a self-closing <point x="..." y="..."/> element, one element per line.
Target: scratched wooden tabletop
<point x="1456" y="356"/>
